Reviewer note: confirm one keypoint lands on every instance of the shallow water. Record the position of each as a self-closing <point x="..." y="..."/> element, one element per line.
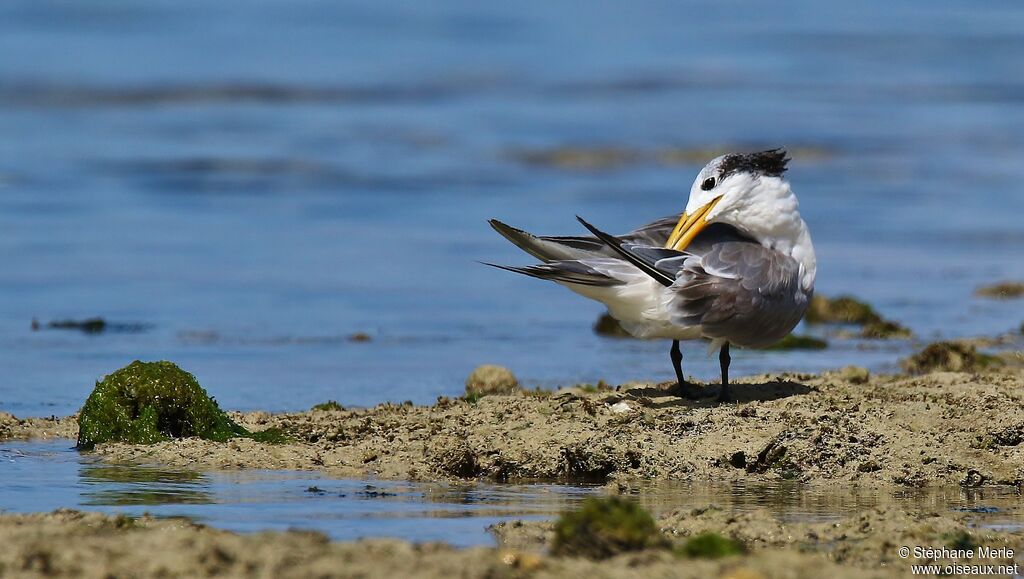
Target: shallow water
<point x="50" y="475"/>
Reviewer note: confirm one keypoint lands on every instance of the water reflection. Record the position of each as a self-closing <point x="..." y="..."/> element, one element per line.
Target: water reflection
<point x="120" y="485"/>
<point x="793" y="501"/>
<point x="43" y="476"/>
<point x="138" y="474"/>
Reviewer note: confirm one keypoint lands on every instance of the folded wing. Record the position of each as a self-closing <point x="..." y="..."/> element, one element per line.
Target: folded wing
<point x="740" y="291"/>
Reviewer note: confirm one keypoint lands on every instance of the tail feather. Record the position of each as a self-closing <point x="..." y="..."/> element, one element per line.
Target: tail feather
<point x="567" y="271"/>
<point x="645" y="263"/>
<point x="548" y="248"/>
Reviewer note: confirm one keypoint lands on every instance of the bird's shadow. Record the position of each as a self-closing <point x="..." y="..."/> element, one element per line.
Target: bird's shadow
<point x="668" y="394"/>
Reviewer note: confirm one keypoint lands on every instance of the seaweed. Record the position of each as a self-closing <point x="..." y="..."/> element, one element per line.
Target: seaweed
<point x="1006" y="290"/>
<point x="329" y="405"/>
<point x="91" y="326"/>
<point x="604" y="527"/>
<point x="840" y="310"/>
<point x="795" y="342"/>
<point x="949" y="357"/>
<point x="961" y="540"/>
<point x="150" y="402"/>
<point x="710" y="546"/>
<point x="885" y="330"/>
<point x="850" y="310"/>
<point x="601" y="386"/>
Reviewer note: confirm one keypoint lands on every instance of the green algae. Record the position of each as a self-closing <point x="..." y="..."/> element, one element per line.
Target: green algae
<point x="961" y="540"/>
<point x="841" y="310"/>
<point x="950" y="357"/>
<point x="539" y="392"/>
<point x="91" y="326"/>
<point x="850" y="310"/>
<point x="604" y="527"/>
<point x="149" y="402"/>
<point x="601" y="386"/>
<point x="885" y="330"/>
<point x="710" y="546"/>
<point x="1007" y="290"/>
<point x="796" y="342"/>
<point x="329" y="405"/>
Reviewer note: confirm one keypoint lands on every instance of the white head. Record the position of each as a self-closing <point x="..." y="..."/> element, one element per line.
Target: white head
<point x="749" y="192"/>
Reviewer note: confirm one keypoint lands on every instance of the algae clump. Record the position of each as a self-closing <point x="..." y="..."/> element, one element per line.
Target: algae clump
<point x="885" y="330"/>
<point x="1006" y="290"/>
<point x="949" y="357"/>
<point x="330" y="405"/>
<point x="840" y="310"/>
<point x="149" y="402"/>
<point x="795" y="342"/>
<point x="710" y="546"/>
<point x="850" y="310"/>
<point x="604" y="527"/>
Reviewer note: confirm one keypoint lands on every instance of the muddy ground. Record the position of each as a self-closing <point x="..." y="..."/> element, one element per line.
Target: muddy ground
<point x="845" y="427"/>
<point x="75" y="544"/>
<point x="906" y="431"/>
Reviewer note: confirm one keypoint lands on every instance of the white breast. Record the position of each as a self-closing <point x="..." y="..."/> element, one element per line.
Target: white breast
<point x="641" y="305"/>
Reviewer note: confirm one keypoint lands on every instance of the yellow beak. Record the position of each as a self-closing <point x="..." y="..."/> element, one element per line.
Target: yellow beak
<point x="689" y="226"/>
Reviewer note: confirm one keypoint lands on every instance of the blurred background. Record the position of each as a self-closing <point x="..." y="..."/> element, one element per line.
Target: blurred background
<point x="241" y="187"/>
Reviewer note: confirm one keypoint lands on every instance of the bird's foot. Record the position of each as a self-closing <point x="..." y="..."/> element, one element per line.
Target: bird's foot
<point x="724" y="394"/>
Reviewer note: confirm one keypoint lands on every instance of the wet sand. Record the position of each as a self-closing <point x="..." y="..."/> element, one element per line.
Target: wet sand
<point x="882" y="431"/>
<point x="844" y="427"/>
<point x="71" y="543"/>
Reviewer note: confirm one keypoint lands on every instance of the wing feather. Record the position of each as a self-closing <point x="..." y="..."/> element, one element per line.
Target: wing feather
<point x="566" y="271"/>
<point x="639" y="256"/>
<point x="742" y="292"/>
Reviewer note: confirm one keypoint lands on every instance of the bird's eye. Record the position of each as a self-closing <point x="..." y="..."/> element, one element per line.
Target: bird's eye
<point x="708" y="184"/>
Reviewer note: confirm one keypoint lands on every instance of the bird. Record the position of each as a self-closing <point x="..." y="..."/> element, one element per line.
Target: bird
<point x="736" y="267"/>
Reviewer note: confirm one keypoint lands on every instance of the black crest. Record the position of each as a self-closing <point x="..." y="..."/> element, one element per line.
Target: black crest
<point x="771" y="163"/>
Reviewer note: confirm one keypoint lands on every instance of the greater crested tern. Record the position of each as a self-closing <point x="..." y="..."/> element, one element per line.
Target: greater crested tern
<point x="736" y="267"/>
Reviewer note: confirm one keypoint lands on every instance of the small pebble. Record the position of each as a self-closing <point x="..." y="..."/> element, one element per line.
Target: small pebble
<point x="621" y="408"/>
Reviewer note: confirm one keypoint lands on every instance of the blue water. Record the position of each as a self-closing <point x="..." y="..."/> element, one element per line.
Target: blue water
<point x="50" y="475"/>
<point x="257" y="180"/>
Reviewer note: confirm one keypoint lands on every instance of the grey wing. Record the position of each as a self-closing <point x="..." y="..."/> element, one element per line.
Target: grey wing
<point x="655" y="233"/>
<point x="742" y="292"/>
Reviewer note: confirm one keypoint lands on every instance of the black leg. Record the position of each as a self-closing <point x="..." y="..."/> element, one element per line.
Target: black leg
<point x="685" y="390"/>
<point x="677" y="363"/>
<point x="723" y="361"/>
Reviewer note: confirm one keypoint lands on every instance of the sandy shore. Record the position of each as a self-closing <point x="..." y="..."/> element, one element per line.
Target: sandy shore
<point x="844" y="427"/>
<point x="76" y="544"/>
<point x="909" y="431"/>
